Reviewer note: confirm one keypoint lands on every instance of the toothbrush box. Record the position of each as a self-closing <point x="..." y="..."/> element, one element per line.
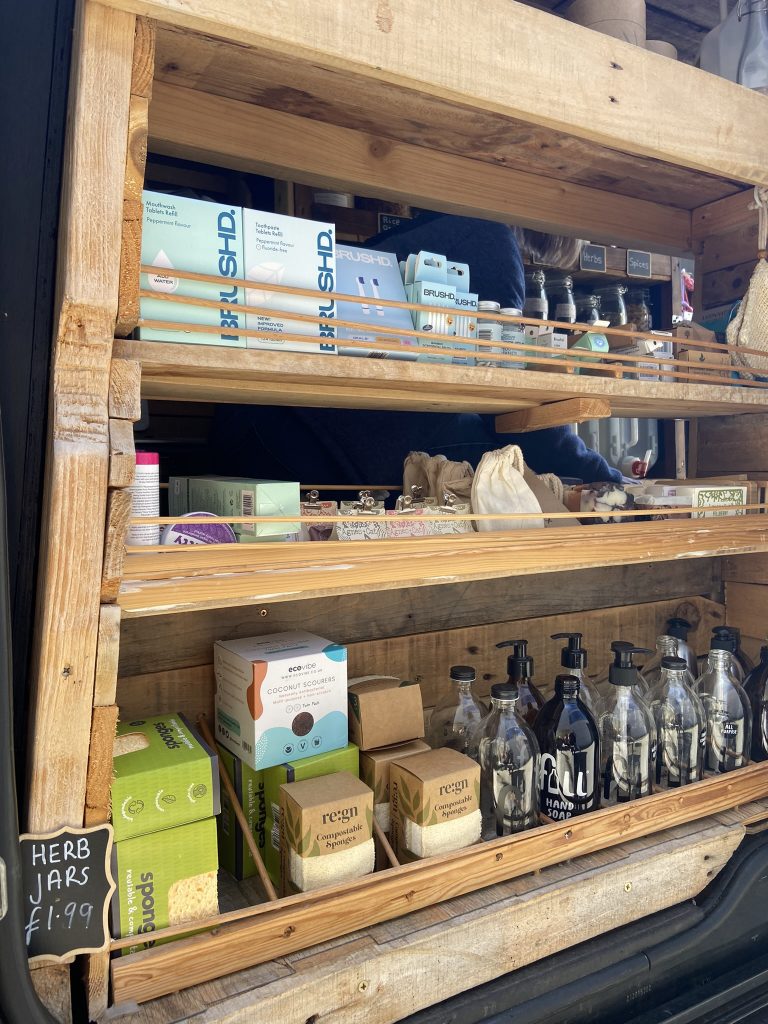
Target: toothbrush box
<point x="375" y="275"/>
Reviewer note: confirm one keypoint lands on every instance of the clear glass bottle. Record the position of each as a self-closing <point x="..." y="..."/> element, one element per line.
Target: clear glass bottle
<point x="455" y="718"/>
<point x="756" y="689"/>
<point x="724" y="638"/>
<point x="729" y="716"/>
<point x="515" y="334"/>
<point x="509" y="765"/>
<point x="627" y="732"/>
<point x="666" y="647"/>
<point x="612" y="306"/>
<point x="488" y="329"/>
<point x="587" y="308"/>
<point x="638" y="308"/>
<point x="573" y="659"/>
<point x="679" y="629"/>
<point x="569" y="741"/>
<point x="602" y="682"/>
<point x="536" y="304"/>
<point x="520" y="674"/>
<point x="681" y="725"/>
<point x="561" y="300"/>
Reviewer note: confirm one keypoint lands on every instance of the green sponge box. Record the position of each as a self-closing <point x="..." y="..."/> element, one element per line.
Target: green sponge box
<point x="164" y="775"/>
<point x="234" y="853"/>
<point x="347" y="759"/>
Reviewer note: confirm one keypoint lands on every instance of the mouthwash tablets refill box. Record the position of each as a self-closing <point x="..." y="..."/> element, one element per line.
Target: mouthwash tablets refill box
<point x="290" y="251"/>
<point x="190" y="234"/>
<point x="373" y="275"/>
<point x="280" y="697"/>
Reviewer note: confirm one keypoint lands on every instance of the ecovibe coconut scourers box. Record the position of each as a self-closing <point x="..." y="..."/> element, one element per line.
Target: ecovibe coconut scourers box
<point x="280" y="697"/>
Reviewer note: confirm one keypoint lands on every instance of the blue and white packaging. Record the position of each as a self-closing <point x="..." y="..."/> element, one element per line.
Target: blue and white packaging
<point x="290" y="251"/>
<point x="431" y="281"/>
<point x="190" y="234"/>
<point x="374" y="275"/>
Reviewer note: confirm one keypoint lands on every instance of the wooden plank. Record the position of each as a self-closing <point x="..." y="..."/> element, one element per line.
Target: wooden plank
<point x="187" y="690"/>
<point x="553" y="414"/>
<point x="143" y="58"/>
<point x="723" y="215"/>
<point x="107" y="654"/>
<point x="130" y="251"/>
<point x="387" y="982"/>
<point x="727" y="285"/>
<point x="118" y="514"/>
<point x="753" y="569"/>
<point x="125" y="389"/>
<point x="184" y="123"/>
<point x="96" y="980"/>
<point x="97" y="796"/>
<point x="277" y="928"/>
<point x="620" y="98"/>
<point x="51" y="984"/>
<point x="733" y="445"/>
<point x="211" y="374"/>
<point x="151" y="645"/>
<point x="747" y="608"/>
<point x="122" y="453"/>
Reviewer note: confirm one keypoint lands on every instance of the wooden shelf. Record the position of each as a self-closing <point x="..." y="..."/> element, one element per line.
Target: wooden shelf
<point x="211" y="374"/>
<point x="268" y="573"/>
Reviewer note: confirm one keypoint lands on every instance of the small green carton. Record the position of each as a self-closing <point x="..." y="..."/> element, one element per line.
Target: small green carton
<point x="164" y="775"/>
<point x="272" y="851"/>
<point x="166" y="878"/>
<point x="239" y="496"/>
<point x="234" y="853"/>
<point x="347" y="759"/>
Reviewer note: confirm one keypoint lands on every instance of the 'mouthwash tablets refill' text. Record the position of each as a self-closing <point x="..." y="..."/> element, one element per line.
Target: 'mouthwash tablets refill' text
<point x="280" y="697"/>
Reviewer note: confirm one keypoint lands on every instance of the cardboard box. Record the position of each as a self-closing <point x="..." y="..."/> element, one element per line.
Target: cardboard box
<point x="374" y="771"/>
<point x="320" y="817"/>
<point x="377" y="276"/>
<point x="290" y="251"/>
<point x="430" y="789"/>
<point x="427" y="293"/>
<point x="721" y="363"/>
<point x="280" y="696"/>
<point x="162" y="879"/>
<point x="705" y="498"/>
<point x="168" y="777"/>
<point x="384" y="711"/>
<point x="272" y="852"/>
<point x="234" y="852"/>
<point x="239" y="496"/>
<point x="189" y="234"/>
<point x="346" y="759"/>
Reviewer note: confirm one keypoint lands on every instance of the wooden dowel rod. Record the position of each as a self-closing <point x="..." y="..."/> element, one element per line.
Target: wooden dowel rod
<point x="202" y="724"/>
<point x="381" y="835"/>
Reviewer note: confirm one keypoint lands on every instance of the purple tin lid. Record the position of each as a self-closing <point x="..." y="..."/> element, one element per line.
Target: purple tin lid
<point x="213" y="531"/>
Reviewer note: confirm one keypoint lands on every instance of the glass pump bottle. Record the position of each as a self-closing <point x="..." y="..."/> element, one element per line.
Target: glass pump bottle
<point x="520" y="674"/>
<point x="724" y="638"/>
<point x="679" y="629"/>
<point x="681" y="725"/>
<point x="729" y="716"/>
<point x="602" y="681"/>
<point x="455" y="718"/>
<point x="569" y="741"/>
<point x="756" y="689"/>
<point x="666" y="647"/>
<point x="573" y="659"/>
<point x="627" y="732"/>
<point x="509" y="765"/>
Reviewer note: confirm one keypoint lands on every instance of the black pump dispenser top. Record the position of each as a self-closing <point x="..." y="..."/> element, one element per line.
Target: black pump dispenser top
<point x="723" y="639"/>
<point x="519" y="663"/>
<point x="573" y="655"/>
<point x="678" y="628"/>
<point x="623" y="671"/>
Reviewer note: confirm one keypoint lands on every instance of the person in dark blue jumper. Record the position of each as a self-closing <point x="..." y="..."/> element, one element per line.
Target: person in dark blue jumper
<point x="350" y="446"/>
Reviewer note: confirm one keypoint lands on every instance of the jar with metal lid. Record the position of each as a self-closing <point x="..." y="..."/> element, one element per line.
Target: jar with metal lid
<point x="612" y="306"/>
<point x="536" y="304"/>
<point x="638" y="308"/>
<point x="514" y="333"/>
<point x="587" y="308"/>
<point x="488" y="329"/>
<point x="561" y="300"/>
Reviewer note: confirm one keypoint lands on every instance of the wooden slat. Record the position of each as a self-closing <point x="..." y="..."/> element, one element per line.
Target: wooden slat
<point x="276" y="929"/>
<point x="118" y="514"/>
<point x="727" y="285"/>
<point x="732" y="445"/>
<point x="746" y="570"/>
<point x="125" y="389"/>
<point x="143" y="59"/>
<point x="97" y="798"/>
<point x="186" y="123"/>
<point x="385" y="981"/>
<point x="208" y="373"/>
<point x="51" y="984"/>
<point x="122" y="453"/>
<point x="107" y="655"/>
<point x="747" y="605"/>
<point x="130" y="251"/>
<point x="619" y="98"/>
<point x="553" y="414"/>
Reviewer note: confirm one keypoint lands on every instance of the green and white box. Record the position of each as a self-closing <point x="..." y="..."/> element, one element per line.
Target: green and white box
<point x="189" y="234"/>
<point x="166" y="878"/>
<point x="346" y="759"/>
<point x="239" y="496"/>
<point x="290" y="251"/>
<point x="280" y="697"/>
<point x="234" y="852"/>
<point x="165" y="775"/>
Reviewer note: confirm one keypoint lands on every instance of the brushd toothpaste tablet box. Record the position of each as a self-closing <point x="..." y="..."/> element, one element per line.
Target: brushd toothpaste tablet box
<point x="346" y="759"/>
<point x="280" y="697"/>
<point x="239" y="496"/>
<point x="290" y="251"/>
<point x="234" y="852"/>
<point x="163" y="879"/>
<point x="189" y="234"/>
<point x="374" y="275"/>
<point x="164" y="775"/>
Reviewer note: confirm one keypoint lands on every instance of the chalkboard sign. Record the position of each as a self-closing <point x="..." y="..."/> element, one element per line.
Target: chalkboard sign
<point x="388" y="221"/>
<point x="593" y="258"/>
<point x="67" y="887"/>
<point x="638" y="263"/>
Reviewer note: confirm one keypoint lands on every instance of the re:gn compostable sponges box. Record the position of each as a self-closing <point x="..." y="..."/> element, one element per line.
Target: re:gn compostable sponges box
<point x="280" y="697"/>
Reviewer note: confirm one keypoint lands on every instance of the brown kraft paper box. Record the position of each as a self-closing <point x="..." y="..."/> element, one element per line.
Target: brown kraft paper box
<point x="384" y="711"/>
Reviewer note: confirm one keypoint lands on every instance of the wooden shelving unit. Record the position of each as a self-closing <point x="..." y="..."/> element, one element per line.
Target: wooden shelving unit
<point x="472" y="117"/>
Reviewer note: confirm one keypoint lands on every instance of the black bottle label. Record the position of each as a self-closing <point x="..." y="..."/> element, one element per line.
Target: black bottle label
<point x="567" y="783"/>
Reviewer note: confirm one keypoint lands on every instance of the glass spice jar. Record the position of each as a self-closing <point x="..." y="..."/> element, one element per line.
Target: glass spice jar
<point x="612" y="306"/>
<point x="587" y="308"/>
<point x="561" y="300"/>
<point x="638" y="309"/>
<point x="536" y="304"/>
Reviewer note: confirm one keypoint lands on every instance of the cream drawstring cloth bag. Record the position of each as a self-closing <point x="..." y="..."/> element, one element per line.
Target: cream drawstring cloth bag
<point x="499" y="486"/>
<point x="749" y="328"/>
